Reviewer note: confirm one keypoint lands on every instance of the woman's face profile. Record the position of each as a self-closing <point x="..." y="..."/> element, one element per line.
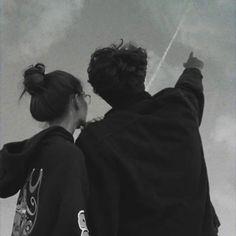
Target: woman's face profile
<point x="81" y="108"/>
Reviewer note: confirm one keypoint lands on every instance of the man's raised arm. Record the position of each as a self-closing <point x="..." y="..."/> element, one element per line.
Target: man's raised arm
<point x="190" y="85"/>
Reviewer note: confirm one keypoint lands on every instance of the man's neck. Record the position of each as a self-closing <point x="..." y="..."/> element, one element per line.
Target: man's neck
<point x="132" y="100"/>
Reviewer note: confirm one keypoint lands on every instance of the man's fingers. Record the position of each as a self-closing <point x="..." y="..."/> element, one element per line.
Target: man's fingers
<point x="191" y="55"/>
<point x="193" y="62"/>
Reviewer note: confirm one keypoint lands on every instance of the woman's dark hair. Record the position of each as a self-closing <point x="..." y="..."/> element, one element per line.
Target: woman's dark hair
<point x="118" y="71"/>
<point x="50" y="93"/>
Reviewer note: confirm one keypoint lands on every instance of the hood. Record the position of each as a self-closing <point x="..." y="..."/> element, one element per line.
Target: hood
<point x="15" y="158"/>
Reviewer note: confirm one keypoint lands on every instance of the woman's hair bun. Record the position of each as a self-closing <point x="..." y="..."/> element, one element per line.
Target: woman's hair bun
<point x="34" y="79"/>
<point x="40" y="67"/>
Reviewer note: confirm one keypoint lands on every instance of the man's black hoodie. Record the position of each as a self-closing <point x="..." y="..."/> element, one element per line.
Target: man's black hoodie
<point x="49" y="171"/>
<point x="146" y="166"/>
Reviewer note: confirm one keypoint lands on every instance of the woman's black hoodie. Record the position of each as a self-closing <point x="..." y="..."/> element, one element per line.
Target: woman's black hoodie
<point x="49" y="171"/>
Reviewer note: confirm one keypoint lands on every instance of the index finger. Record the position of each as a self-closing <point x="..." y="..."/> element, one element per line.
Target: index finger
<point x="191" y="54"/>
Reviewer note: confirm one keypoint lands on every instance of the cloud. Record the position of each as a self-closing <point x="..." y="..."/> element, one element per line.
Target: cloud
<point x="207" y="28"/>
<point x="208" y="31"/>
<point x="30" y="27"/>
<point x="225" y="132"/>
<point x="167" y="75"/>
<point x="225" y="206"/>
<point x="165" y="14"/>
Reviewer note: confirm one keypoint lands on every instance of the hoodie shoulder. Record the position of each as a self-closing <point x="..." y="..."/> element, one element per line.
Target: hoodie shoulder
<point x="49" y="147"/>
<point x="64" y="149"/>
<point x="12" y="167"/>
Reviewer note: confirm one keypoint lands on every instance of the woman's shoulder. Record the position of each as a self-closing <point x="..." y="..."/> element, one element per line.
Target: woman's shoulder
<point x="64" y="147"/>
<point x="61" y="151"/>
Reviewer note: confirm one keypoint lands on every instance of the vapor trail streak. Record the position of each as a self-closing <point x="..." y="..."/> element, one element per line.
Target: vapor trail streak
<point x="169" y="46"/>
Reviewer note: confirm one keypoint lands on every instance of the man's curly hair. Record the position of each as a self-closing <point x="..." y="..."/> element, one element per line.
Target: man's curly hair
<point x="118" y="71"/>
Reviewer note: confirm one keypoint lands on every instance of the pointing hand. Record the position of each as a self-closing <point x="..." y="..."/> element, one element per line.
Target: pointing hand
<point x="193" y="62"/>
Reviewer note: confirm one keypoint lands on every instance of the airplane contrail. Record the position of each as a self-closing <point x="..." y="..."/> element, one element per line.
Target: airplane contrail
<point x="169" y="46"/>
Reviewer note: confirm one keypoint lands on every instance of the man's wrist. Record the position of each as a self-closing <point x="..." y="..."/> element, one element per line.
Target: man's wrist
<point x="193" y="70"/>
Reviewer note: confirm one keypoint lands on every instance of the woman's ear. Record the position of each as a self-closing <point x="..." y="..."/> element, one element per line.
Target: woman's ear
<point x="76" y="101"/>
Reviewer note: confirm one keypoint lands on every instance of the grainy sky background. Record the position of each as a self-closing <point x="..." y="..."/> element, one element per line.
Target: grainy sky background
<point x="63" y="33"/>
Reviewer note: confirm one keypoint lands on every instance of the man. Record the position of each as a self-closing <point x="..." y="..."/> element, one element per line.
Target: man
<point x="145" y="159"/>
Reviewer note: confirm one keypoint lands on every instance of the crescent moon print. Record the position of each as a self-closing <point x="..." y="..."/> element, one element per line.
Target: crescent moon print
<point x="82" y="224"/>
<point x="27" y="205"/>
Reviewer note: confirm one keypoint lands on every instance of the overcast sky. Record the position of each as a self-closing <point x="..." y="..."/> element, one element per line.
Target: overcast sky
<point x="63" y="33"/>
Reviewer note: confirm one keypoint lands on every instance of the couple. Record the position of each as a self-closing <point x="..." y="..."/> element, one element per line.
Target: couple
<point x="139" y="171"/>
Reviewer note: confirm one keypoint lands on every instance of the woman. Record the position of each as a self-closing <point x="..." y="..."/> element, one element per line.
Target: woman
<point x="48" y="169"/>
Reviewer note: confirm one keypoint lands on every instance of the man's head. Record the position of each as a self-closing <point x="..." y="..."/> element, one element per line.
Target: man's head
<point x="118" y="72"/>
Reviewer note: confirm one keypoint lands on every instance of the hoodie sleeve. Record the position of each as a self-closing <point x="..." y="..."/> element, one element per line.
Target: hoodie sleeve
<point x="72" y="206"/>
<point x="12" y="169"/>
<point x="190" y="86"/>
